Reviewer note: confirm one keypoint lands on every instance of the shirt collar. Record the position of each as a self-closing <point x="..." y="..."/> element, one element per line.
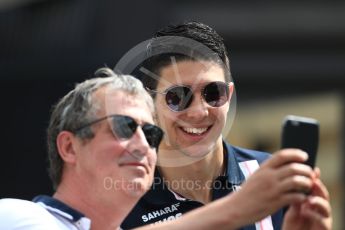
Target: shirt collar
<point x="59" y="206"/>
<point x="233" y="170"/>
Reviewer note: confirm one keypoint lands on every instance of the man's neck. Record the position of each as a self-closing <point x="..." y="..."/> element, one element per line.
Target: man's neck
<point x="194" y="180"/>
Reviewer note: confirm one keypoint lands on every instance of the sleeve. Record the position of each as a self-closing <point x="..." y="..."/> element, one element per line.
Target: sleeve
<point x="20" y="214"/>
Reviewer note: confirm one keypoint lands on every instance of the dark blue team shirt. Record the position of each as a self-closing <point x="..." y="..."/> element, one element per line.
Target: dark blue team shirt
<point x="161" y="204"/>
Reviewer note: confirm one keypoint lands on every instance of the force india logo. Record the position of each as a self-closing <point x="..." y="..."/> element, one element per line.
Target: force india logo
<point x="161" y="212"/>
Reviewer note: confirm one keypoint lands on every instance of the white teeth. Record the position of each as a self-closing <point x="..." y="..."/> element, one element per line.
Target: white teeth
<point x="195" y="130"/>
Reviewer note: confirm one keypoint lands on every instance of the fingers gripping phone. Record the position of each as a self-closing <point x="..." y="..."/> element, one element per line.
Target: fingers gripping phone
<point x="301" y="133"/>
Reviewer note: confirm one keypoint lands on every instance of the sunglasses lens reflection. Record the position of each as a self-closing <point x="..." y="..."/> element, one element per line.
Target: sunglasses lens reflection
<point x="179" y="98"/>
<point x="153" y="135"/>
<point x="123" y="127"/>
<point x="216" y="94"/>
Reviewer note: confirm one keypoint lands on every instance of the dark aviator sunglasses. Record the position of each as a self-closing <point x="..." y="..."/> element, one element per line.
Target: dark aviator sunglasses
<point x="124" y="127"/>
<point x="179" y="97"/>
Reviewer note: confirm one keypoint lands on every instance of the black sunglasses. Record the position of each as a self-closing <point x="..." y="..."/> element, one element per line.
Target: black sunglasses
<point x="179" y="97"/>
<point x="124" y="127"/>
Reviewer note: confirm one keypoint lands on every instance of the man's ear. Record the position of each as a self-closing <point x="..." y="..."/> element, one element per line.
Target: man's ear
<point x="231" y="90"/>
<point x="66" y="144"/>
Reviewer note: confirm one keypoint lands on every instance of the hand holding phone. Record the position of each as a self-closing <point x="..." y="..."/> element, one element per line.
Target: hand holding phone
<point x="301" y="133"/>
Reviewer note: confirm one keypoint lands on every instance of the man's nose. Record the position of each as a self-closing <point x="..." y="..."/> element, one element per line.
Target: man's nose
<point x="198" y="109"/>
<point x="138" y="143"/>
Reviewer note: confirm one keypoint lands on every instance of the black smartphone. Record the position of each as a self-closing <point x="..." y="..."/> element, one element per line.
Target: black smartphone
<point x="301" y="133"/>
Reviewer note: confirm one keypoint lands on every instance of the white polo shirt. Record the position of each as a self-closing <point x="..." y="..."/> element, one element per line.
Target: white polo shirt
<point x="42" y="213"/>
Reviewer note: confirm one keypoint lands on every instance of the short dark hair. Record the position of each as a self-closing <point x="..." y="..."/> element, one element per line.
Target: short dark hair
<point x="168" y="40"/>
